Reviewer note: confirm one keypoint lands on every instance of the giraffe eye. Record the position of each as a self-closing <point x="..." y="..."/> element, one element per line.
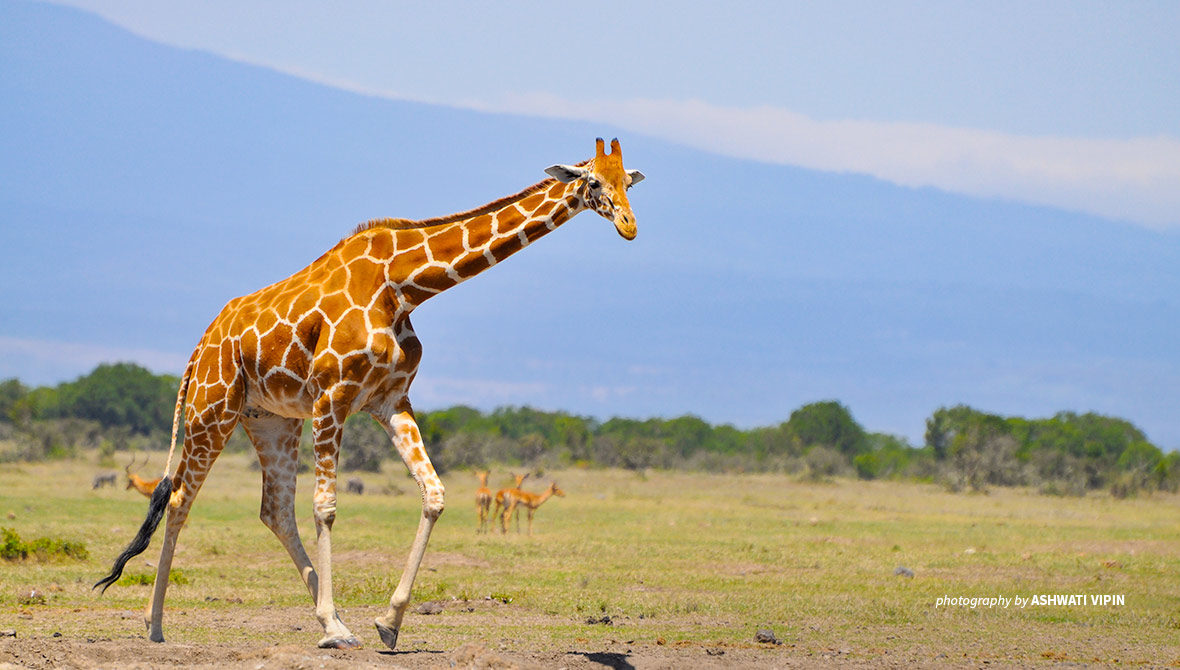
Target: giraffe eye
<point x="594" y="184"/>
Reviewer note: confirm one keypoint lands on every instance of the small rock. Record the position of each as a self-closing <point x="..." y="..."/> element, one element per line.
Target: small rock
<point x="903" y="571"/>
<point x="766" y="636"/>
<point x="56" y="634"/>
<point x="715" y="652"/>
<point x="969" y="550"/>
<point x="604" y="620"/>
<point x="11" y="515"/>
<point x="431" y="607"/>
<point x="8" y="633"/>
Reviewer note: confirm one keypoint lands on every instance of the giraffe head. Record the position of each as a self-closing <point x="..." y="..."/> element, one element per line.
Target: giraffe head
<point x="604" y="185"/>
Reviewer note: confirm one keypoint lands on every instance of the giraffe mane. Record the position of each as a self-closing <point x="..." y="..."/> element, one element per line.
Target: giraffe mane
<point x="409" y="224"/>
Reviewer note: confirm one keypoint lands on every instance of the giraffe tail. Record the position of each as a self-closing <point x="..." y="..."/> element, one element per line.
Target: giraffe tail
<point x="180" y="394"/>
<point x="160" y="495"/>
<point x="140" y="543"/>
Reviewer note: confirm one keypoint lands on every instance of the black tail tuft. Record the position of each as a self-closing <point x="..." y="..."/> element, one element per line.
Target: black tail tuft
<point x="156" y="507"/>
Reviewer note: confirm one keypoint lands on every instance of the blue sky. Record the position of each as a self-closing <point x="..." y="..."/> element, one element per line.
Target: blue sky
<point x="1067" y="104"/>
<point x="895" y="300"/>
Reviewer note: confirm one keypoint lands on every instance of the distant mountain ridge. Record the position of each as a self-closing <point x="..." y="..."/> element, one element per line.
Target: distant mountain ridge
<point x="142" y="186"/>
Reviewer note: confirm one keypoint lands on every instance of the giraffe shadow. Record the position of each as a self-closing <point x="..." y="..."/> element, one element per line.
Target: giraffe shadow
<point x="606" y="659"/>
<point x="394" y="653"/>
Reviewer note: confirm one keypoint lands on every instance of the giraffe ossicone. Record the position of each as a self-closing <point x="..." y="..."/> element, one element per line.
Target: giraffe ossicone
<point x="335" y="339"/>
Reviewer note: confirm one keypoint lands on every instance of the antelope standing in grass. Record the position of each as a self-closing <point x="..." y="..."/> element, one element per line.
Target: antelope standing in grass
<point x="134" y="481"/>
<point x="504" y="496"/>
<point x="531" y="502"/>
<point x="335" y="339"/>
<point x="483" y="501"/>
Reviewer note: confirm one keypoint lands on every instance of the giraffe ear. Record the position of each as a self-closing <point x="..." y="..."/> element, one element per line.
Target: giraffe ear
<point x="566" y="173"/>
<point x="636" y="176"/>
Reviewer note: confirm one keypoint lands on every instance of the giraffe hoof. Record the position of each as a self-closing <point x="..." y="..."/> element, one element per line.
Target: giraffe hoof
<point x="340" y="643"/>
<point x="388" y="635"/>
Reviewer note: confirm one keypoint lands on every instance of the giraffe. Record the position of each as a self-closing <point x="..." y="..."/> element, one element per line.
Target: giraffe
<point x="483" y="500"/>
<point x="334" y="339"/>
<point x="531" y="502"/>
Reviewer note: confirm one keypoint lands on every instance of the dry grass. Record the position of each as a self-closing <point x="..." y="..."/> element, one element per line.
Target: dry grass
<point x="670" y="558"/>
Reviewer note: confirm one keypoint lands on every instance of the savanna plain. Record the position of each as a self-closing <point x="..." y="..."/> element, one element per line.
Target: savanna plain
<point x="628" y="570"/>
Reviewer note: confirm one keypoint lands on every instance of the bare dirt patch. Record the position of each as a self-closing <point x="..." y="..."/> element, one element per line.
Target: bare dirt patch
<point x="465" y="634"/>
<point x="139" y="654"/>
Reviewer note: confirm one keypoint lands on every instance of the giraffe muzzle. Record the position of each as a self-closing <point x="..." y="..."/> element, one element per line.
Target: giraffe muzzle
<point x="625" y="224"/>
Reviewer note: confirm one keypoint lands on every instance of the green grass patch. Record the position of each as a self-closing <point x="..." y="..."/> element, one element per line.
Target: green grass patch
<point x="690" y="558"/>
<point x="13" y="548"/>
<point x="149" y="578"/>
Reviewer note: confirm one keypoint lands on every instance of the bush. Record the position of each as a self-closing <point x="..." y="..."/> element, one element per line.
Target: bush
<point x="464" y="450"/>
<point x="828" y="424"/>
<point x="12" y="401"/>
<point x="982" y="458"/>
<point x="119" y="394"/>
<point x="823" y="463"/>
<point x="887" y="456"/>
<point x="56" y="438"/>
<point x="365" y="445"/>
<point x="13" y="548"/>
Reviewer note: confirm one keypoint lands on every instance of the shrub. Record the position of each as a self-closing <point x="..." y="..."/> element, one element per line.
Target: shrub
<point x="824" y="463"/>
<point x="364" y="445"/>
<point x="13" y="548"/>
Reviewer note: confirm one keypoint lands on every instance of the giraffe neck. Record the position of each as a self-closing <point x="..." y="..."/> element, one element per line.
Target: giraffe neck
<point x="431" y="259"/>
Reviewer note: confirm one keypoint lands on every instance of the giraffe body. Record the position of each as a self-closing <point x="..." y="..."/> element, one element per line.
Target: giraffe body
<point x="335" y="339"/>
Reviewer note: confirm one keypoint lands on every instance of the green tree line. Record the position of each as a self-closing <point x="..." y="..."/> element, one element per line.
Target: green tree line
<point x="123" y="406"/>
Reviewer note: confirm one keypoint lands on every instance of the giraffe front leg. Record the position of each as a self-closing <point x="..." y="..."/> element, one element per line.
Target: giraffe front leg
<point x="404" y="431"/>
<point x="328" y="427"/>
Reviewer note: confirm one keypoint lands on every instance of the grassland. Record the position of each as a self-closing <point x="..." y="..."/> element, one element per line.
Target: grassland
<point x="664" y="563"/>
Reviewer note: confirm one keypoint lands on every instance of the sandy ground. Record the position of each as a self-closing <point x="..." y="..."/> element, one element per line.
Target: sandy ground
<point x="47" y="643"/>
<point x="137" y="653"/>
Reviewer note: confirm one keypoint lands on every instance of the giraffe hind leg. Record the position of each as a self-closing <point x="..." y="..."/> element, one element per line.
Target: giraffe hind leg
<point x="205" y="436"/>
<point x="276" y="440"/>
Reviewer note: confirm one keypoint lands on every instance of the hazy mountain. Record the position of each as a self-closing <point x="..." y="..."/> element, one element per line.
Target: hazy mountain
<point x="142" y="186"/>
